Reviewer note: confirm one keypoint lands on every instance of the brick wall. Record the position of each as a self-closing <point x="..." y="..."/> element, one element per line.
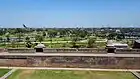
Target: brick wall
<point x="128" y="51"/>
<point x="74" y="50"/>
<point x="72" y="61"/>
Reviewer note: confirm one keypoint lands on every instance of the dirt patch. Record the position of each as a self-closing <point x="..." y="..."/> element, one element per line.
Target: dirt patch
<point x="26" y="73"/>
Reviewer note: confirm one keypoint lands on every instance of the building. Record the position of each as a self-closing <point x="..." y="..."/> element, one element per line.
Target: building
<point x="111" y="47"/>
<point x="39" y="47"/>
<point x="137" y="44"/>
<point x="116" y="45"/>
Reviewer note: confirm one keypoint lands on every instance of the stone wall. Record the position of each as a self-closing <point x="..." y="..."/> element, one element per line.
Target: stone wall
<point x="2" y="50"/>
<point x="128" y="51"/>
<point x="21" y="50"/>
<point x="72" y="61"/>
<point x="74" y="50"/>
<point x="58" y="50"/>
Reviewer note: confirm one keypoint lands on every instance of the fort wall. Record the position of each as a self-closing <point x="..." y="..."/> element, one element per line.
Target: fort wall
<point x="74" y="50"/>
<point x="106" y="62"/>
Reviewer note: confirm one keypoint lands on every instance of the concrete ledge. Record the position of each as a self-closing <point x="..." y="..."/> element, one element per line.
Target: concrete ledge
<point x="70" y="54"/>
<point x="136" y="74"/>
<point x="92" y="69"/>
<point x="72" y="50"/>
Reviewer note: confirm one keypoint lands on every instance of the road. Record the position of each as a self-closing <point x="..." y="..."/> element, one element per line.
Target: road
<point x="69" y="54"/>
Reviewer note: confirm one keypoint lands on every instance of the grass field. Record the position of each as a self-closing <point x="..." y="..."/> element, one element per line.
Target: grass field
<point x="54" y="74"/>
<point x="3" y="71"/>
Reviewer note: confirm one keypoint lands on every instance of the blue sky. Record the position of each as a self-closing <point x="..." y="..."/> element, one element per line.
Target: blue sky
<point x="69" y="13"/>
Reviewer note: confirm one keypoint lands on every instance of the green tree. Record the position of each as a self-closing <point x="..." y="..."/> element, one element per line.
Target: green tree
<point x="39" y="38"/>
<point x="7" y="37"/>
<point x="28" y="42"/>
<point x="74" y="41"/>
<point x="44" y="34"/>
<point x="19" y="35"/>
<point x="111" y="36"/>
<point x="120" y="36"/>
<point x="13" y="43"/>
<point x="27" y="38"/>
<point x="82" y="33"/>
<point x="52" y="34"/>
<point x="91" y="42"/>
<point x="1" y="39"/>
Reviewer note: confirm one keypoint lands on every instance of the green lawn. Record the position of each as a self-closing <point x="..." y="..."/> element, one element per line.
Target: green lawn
<point x="58" y="39"/>
<point x="54" y="74"/>
<point x="3" y="71"/>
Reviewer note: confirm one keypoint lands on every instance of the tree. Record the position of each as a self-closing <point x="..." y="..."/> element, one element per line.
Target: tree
<point x="1" y="39"/>
<point x="120" y="36"/>
<point x="19" y="30"/>
<point x="74" y="41"/>
<point x="7" y="37"/>
<point x="82" y="33"/>
<point x="91" y="42"/>
<point x="39" y="38"/>
<point x="51" y="34"/>
<point x="2" y="31"/>
<point x="27" y="38"/>
<point x="44" y="34"/>
<point x="13" y="43"/>
<point x="19" y="35"/>
<point x="36" y="37"/>
<point x="111" y="36"/>
<point x="28" y="42"/>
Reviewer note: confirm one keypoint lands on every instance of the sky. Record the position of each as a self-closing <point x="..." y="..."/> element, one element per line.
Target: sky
<point x="69" y="13"/>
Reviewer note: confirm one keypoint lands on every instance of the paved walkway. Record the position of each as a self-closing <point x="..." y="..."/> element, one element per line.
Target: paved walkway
<point x="47" y="68"/>
<point x="8" y="74"/>
<point x="136" y="74"/>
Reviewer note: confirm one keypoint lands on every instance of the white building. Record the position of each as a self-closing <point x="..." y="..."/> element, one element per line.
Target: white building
<point x="116" y="45"/>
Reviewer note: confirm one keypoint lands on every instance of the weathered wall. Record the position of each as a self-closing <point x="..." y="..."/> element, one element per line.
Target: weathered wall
<point x="21" y="50"/>
<point x="73" y="50"/>
<point x="72" y="61"/>
<point x="2" y="50"/>
<point x="128" y="51"/>
<point x="58" y="50"/>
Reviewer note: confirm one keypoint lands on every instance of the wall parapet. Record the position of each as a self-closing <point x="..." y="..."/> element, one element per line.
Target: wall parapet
<point x="73" y="50"/>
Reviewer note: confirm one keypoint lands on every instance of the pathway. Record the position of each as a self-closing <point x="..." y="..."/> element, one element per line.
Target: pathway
<point x="136" y="74"/>
<point x="8" y="74"/>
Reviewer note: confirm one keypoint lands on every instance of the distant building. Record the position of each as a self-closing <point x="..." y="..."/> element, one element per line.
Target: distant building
<point x="39" y="47"/>
<point x="116" y="45"/>
<point x="111" y="47"/>
<point x="118" y="30"/>
<point x="137" y="44"/>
